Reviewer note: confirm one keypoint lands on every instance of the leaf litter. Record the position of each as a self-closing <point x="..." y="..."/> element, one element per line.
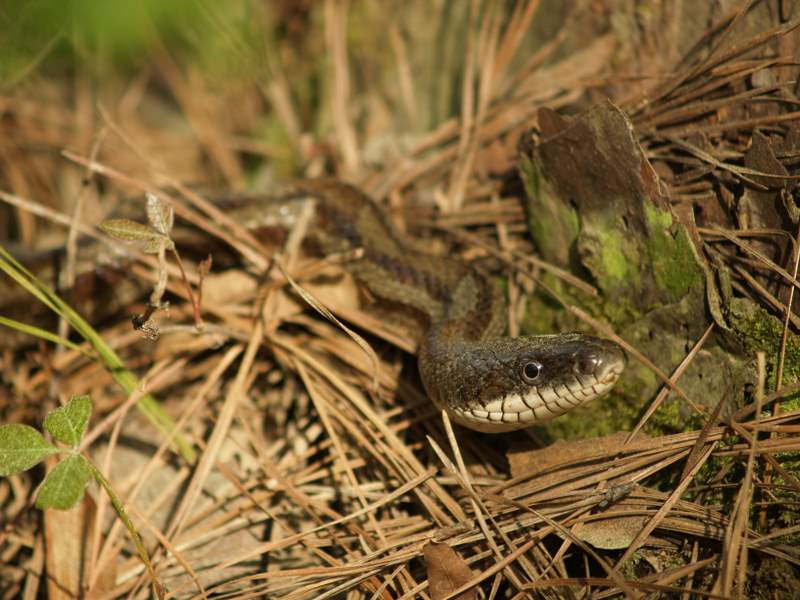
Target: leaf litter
<point x="319" y="474"/>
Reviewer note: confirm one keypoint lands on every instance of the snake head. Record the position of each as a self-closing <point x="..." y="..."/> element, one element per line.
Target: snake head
<point x="512" y="383"/>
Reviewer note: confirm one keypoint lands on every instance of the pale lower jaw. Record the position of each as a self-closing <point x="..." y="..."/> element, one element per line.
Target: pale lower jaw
<point x="518" y="412"/>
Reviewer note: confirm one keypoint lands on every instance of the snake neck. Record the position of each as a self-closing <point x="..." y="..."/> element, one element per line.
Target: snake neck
<point x="456" y="301"/>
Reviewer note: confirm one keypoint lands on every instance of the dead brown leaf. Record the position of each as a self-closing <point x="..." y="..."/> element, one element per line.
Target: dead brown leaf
<point x="447" y="572"/>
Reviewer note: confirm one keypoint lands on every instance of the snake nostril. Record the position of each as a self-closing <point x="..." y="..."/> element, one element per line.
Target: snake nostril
<point x="590" y="363"/>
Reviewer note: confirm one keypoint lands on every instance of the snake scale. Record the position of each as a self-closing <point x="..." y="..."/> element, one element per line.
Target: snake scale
<point x="485" y="381"/>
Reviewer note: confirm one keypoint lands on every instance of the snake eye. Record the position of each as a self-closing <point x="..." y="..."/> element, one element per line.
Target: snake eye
<point x="531" y="371"/>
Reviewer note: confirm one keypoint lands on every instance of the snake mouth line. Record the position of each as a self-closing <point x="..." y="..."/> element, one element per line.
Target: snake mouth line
<point x="515" y="411"/>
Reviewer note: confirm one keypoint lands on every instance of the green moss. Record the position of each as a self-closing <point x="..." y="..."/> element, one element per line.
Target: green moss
<point x="273" y="132"/>
<point x="673" y="416"/>
<point x="544" y="314"/>
<point x="620" y="411"/>
<point x="603" y="417"/>
<point x="758" y="330"/>
<point x="541" y="315"/>
<point x="617" y="256"/>
<point x="631" y="569"/>
<point x="554" y="225"/>
<point x="675" y="267"/>
<point x="641" y="268"/>
<point x="761" y="332"/>
<point x="638" y="378"/>
<point x="530" y="176"/>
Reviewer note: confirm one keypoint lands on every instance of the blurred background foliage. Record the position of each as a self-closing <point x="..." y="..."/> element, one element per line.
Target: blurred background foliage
<point x="122" y="36"/>
<point x="271" y="62"/>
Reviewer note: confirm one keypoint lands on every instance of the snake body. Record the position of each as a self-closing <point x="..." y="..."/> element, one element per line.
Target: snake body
<point x="485" y="381"/>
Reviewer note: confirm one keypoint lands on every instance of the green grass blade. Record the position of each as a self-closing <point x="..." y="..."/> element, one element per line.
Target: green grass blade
<point x="124" y="377"/>
<point x="43" y="334"/>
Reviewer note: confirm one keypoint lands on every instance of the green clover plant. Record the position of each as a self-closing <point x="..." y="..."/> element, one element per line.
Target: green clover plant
<point x="22" y="447"/>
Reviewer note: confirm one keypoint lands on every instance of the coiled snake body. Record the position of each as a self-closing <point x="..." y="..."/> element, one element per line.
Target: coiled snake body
<point x="485" y="381"/>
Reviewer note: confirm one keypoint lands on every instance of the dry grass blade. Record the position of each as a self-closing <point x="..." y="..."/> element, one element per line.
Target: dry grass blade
<point x="335" y="40"/>
<point x="736" y="170"/>
<point x="321" y="309"/>
<point x="664" y="510"/>
<point x="235" y="394"/>
<point x="789" y="313"/>
<point x="567" y="277"/>
<point x="735" y="550"/>
<point x="662" y="395"/>
<point x="478" y="508"/>
<point x="683" y="108"/>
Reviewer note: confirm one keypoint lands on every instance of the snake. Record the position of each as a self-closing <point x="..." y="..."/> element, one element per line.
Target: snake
<point x="483" y="379"/>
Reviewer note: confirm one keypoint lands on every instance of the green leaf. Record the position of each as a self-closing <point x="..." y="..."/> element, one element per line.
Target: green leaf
<point x="68" y="423"/>
<point x="65" y="485"/>
<point x="21" y="447"/>
<point x="129" y="231"/>
<point x="154" y="245"/>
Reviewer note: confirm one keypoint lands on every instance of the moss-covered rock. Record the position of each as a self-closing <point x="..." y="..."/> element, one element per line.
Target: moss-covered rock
<point x="597" y="208"/>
